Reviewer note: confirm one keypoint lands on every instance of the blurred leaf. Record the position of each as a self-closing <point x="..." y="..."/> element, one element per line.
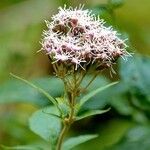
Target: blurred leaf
<point x="104" y="12"/>
<point x="138" y="133"/>
<point x="93" y="93"/>
<point x="65" y="2"/>
<point x="99" y="100"/>
<point x="32" y="16"/>
<point x="116" y="3"/>
<point x="110" y="132"/>
<point x="143" y="144"/>
<point x="136" y="74"/>
<point x="53" y="100"/>
<point x="90" y="113"/>
<point x="140" y="116"/>
<point x="136" y="139"/>
<point x="46" y="125"/>
<point x="120" y="103"/>
<point x="74" y="141"/>
<point x="21" y="147"/>
<point x="131" y="96"/>
<point x="15" y="91"/>
<point x="100" y="9"/>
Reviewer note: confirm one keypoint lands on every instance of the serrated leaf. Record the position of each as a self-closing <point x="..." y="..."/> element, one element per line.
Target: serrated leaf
<point x="93" y="93"/>
<point x="38" y="89"/>
<point x="46" y="125"/>
<point x="91" y="113"/>
<point x="20" y="147"/>
<point x="14" y="91"/>
<point x="74" y="141"/>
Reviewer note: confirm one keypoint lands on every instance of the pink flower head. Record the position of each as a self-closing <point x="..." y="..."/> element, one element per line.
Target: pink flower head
<point x="77" y="37"/>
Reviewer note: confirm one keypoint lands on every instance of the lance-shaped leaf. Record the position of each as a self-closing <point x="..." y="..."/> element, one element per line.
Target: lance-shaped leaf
<point x="38" y="89"/>
<point x="46" y="125"/>
<point x="74" y="141"/>
<point x="91" y="113"/>
<point x="93" y="93"/>
<point x="14" y="91"/>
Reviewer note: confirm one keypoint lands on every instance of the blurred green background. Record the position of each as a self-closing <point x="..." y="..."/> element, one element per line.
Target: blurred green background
<point x="126" y="125"/>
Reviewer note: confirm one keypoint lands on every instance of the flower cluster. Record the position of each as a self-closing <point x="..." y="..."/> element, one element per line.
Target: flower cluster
<point x="77" y="37"/>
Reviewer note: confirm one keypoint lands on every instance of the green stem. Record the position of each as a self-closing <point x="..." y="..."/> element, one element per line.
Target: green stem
<point x="67" y="123"/>
<point x="72" y="94"/>
<point x="61" y="137"/>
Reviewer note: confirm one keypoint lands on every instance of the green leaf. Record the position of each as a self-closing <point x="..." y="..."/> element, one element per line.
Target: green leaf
<point x="91" y="113"/>
<point x="131" y="96"/>
<point x="93" y="93"/>
<point x="120" y="102"/>
<point x="14" y="91"/>
<point x="46" y="125"/>
<point x="38" y="89"/>
<point x="104" y="12"/>
<point x="138" y="132"/>
<point x="74" y="141"/>
<point x="100" y="100"/>
<point x="20" y="147"/>
<point x="63" y="105"/>
<point x="116" y="3"/>
<point x="136" y="138"/>
<point x="99" y="9"/>
<point x="136" y="74"/>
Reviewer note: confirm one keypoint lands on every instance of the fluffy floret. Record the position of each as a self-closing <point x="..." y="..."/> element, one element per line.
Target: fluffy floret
<point x="77" y="37"/>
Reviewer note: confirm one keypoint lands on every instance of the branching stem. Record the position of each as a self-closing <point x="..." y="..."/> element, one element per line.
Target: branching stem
<point x="68" y="120"/>
<point x="67" y="123"/>
<point x="72" y="94"/>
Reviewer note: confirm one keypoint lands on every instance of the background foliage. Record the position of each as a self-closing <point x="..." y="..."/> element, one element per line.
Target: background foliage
<point x="125" y="126"/>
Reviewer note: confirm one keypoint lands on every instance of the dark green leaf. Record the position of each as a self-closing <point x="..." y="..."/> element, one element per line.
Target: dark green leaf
<point x="93" y="93"/>
<point x="16" y="91"/>
<point x="121" y="104"/>
<point x="136" y="139"/>
<point x="105" y="13"/>
<point x="136" y="74"/>
<point x="100" y="100"/>
<point x="90" y="113"/>
<point x="74" y="141"/>
<point x="53" y="100"/>
<point x="116" y="3"/>
<point x="100" y="10"/>
<point x="138" y="133"/>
